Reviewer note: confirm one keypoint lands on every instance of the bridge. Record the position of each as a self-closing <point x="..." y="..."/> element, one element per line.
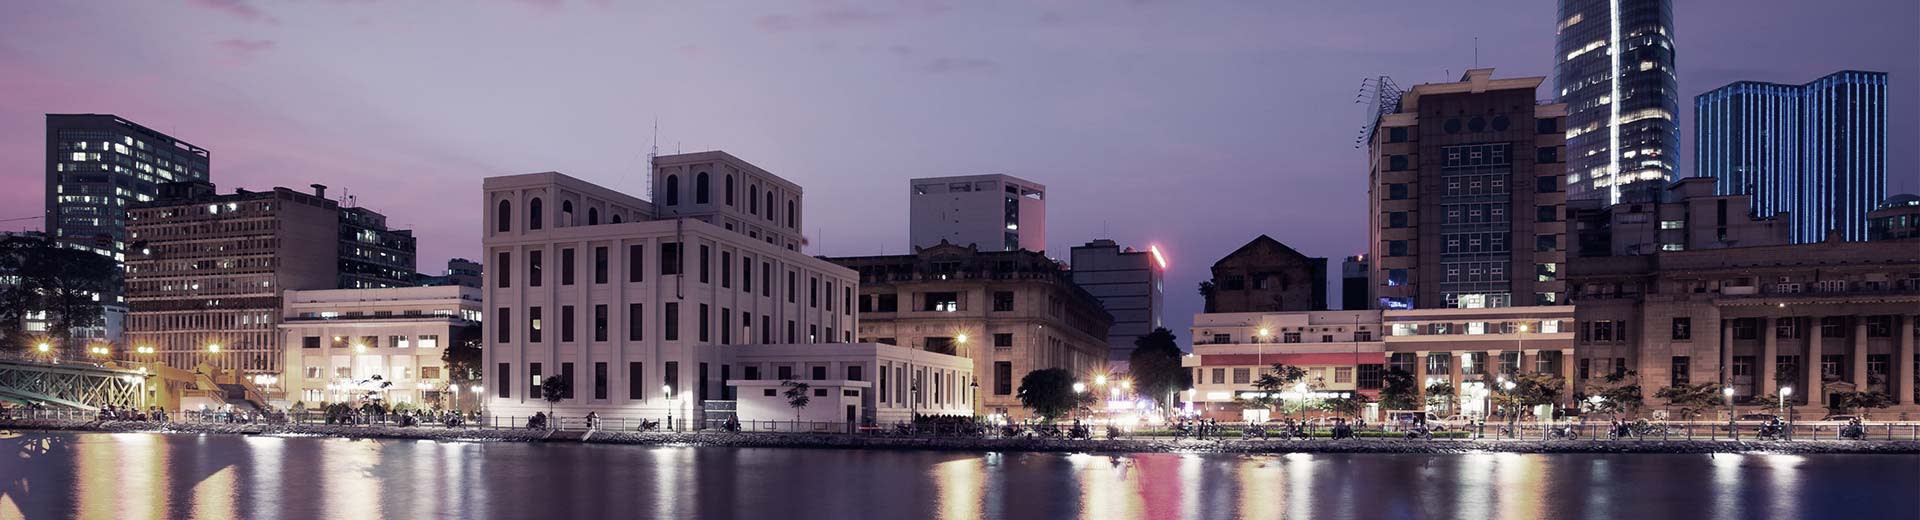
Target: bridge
<point x="81" y="386"/>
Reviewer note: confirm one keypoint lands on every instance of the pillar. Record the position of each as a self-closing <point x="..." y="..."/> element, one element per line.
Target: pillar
<point x="1815" y="394"/>
<point x="1419" y="376"/>
<point x="1725" y="342"/>
<point x="1528" y="358"/>
<point x="1769" y="354"/>
<point x="1902" y="368"/>
<point x="1566" y="372"/>
<point x="1458" y="379"/>
<point x="1857" y="356"/>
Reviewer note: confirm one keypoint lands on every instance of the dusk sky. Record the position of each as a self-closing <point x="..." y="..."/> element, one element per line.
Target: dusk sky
<point x="1194" y="125"/>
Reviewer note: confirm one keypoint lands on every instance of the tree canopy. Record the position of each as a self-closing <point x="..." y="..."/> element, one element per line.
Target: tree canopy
<point x="1049" y="393"/>
<point x="1398" y="391"/>
<point x="1155" y="367"/>
<point x="61" y="281"/>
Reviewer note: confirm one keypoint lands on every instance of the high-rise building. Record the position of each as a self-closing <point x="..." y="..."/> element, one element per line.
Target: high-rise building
<point x="1128" y="283"/>
<point x="460" y="271"/>
<point x="1266" y="276"/>
<point x="98" y="165"/>
<point x="1898" y="218"/>
<point x="992" y="212"/>
<point x="371" y="255"/>
<point x="1353" y="284"/>
<point x="1815" y="151"/>
<point x="1466" y="199"/>
<point x="1614" y="70"/>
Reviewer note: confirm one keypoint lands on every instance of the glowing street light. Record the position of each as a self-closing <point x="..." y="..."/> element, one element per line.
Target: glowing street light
<point x="1100" y="379"/>
<point x="213" y="348"/>
<point x="43" y="347"/>
<point x="1079" y="388"/>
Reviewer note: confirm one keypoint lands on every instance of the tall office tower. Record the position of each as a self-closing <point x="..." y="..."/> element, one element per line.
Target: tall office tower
<point x="1465" y="197"/>
<point x="205" y="272"/>
<point x="1615" y="72"/>
<point x="371" y="255"/>
<point x="1817" y="151"/>
<point x="1353" y="284"/>
<point x="97" y="166"/>
<point x="992" y="212"/>
<point x="1128" y="283"/>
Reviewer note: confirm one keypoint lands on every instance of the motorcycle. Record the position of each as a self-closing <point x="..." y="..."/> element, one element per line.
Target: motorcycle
<point x="647" y="426"/>
<point x="1420" y="433"/>
<point x="1772" y="430"/>
<point x="1253" y="431"/>
<point x="1079" y="432"/>
<point x="1853" y="430"/>
<point x="1566" y="433"/>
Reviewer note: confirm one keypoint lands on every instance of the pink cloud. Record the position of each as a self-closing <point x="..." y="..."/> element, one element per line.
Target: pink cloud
<point x="238" y="9"/>
<point x="242" y="49"/>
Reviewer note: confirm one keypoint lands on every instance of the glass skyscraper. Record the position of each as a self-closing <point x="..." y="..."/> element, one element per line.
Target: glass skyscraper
<point x="97" y="165"/>
<point x="1816" y="151"/>
<point x="1614" y="69"/>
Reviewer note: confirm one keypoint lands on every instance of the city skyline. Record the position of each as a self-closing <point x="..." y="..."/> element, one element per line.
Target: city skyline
<point x="330" y="94"/>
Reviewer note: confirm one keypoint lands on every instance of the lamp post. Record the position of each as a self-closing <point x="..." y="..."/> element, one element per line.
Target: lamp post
<point x="1732" y="428"/>
<point x="1079" y="389"/>
<point x="668" y="391"/>
<point x="1786" y="392"/>
<point x="1513" y="417"/>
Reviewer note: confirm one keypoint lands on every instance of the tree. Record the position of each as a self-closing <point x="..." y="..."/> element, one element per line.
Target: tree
<point x="1049" y="393"/>
<point x="553" y="389"/>
<point x="1207" y="290"/>
<point x="1156" y="369"/>
<point x="1529" y="390"/>
<point x="1440" y="395"/>
<point x="1620" y="394"/>
<point x="797" y="394"/>
<point x="1398" y="391"/>
<point x="462" y="357"/>
<point x="1347" y="406"/>
<point x="1692" y="400"/>
<point x="1848" y="402"/>
<point x="65" y="283"/>
<point x="1279" y="379"/>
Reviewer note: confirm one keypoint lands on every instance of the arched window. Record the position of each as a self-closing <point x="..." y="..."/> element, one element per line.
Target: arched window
<point x="533" y="213"/>
<point x="616" y="219"/>
<point x="792" y="215"/>
<point x="700" y="189"/>
<point x="753" y="200"/>
<point x="728" y="194"/>
<point x="593" y="216"/>
<point x="673" y="190"/>
<point x="503" y="219"/>
<point x="770" y="209"/>
<point x="566" y="213"/>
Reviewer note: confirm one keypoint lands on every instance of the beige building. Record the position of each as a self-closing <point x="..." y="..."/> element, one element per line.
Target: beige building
<point x="338" y="341"/>
<point x="205" y="273"/>
<point x="858" y="382"/>
<point x="1755" y="318"/>
<point x="1011" y="312"/>
<point x="1471" y="348"/>
<point x="634" y="301"/>
<point x="1689" y="217"/>
<point x="1343" y="353"/>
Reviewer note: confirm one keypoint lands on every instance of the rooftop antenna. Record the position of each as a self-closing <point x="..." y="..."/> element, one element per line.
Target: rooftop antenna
<point x="651" y="153"/>
<point x="1476" y="52"/>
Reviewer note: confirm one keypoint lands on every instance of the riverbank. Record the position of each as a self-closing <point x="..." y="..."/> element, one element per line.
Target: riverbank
<point x="976" y="444"/>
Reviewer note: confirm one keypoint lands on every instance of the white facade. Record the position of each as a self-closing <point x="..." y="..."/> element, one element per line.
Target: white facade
<point x="1128" y="284"/>
<point x="993" y="212"/>
<point x="857" y="380"/>
<point x="336" y="341"/>
<point x="576" y="286"/>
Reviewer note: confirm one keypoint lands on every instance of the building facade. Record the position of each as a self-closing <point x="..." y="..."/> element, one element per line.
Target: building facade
<point x="1354" y="284"/>
<point x="1266" y="276"/>
<point x="340" y="344"/>
<point x="1471" y="349"/>
<point x="865" y="383"/>
<point x="1129" y="285"/>
<point x="206" y="272"/>
<point x="1466" y="197"/>
<point x="634" y="302"/>
<point x="1341" y="351"/>
<point x="460" y="271"/>
<point x="1688" y="217"/>
<point x="993" y="212"/>
<point x="1898" y="218"/>
<point x="1614" y="70"/>
<point x="371" y="255"/>
<point x="1756" y="319"/>
<point x="1815" y="151"/>
<point x="98" y="166"/>
<point x="1010" y="312"/>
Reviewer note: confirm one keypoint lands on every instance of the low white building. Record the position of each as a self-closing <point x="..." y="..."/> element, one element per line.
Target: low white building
<point x="338" y="340"/>
<point x="851" y="382"/>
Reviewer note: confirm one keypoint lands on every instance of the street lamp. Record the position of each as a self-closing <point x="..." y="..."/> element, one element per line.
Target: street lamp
<point x="668" y="391"/>
<point x="1734" y="431"/>
<point x="1786" y="392"/>
<point x="43" y="347"/>
<point x="1079" y="388"/>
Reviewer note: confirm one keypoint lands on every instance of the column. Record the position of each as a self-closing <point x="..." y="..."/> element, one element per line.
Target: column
<point x="1858" y="355"/>
<point x="1725" y="341"/>
<point x="1902" y="369"/>
<point x="1769" y="351"/>
<point x="1419" y="375"/>
<point x="1528" y="358"/>
<point x="1494" y="366"/>
<point x="1566" y="373"/>
<point x="1458" y="379"/>
<point x="1815" y="394"/>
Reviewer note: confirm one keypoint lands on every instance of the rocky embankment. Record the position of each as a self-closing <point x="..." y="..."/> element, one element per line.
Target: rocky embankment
<point x="836" y="441"/>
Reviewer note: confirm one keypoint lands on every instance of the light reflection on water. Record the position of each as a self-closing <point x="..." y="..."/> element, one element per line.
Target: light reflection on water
<point x="136" y="476"/>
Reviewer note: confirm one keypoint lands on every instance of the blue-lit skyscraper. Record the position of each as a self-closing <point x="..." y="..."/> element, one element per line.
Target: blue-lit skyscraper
<point x="1816" y="151"/>
<point x="1614" y="68"/>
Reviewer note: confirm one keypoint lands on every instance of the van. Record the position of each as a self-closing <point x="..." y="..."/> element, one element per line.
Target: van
<point x="1406" y="418"/>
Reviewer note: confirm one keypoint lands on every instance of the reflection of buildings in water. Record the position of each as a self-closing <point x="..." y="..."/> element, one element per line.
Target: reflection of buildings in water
<point x="1474" y="486"/>
<point x="213" y="496"/>
<point x="347" y="478"/>
<point x="1522" y="485"/>
<point x="1257" y="478"/>
<point x="1727" y="497"/>
<point x="264" y="456"/>
<point x="960" y="485"/>
<point x="1783" y="478"/>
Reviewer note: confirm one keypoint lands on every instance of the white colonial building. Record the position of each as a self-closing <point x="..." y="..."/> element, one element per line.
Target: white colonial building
<point x="337" y="341"/>
<point x="640" y="304"/>
<point x="851" y="382"/>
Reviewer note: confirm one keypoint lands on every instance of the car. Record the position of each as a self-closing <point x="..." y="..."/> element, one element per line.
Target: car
<point x="1459" y="421"/>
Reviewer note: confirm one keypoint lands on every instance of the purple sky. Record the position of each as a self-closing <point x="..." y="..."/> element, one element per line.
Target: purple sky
<point x="1196" y="126"/>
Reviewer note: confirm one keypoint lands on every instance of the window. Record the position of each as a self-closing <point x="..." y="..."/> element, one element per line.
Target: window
<point x="1546" y="214"/>
<point x="726" y="326"/>
<point x="1544" y="243"/>
<point x="673" y="190"/>
<point x="669" y="258"/>
<point x="941" y="302"/>
<point x="533" y="379"/>
<point x="1548" y="155"/>
<point x="1290" y="337"/>
<point x="1242" y="376"/>
<point x="1683" y="329"/>
<point x="886" y="303"/>
<point x="533" y="324"/>
<point x="566" y="266"/>
<point x="503" y="217"/>
<point x="534" y="213"/>
<point x="1396" y="248"/>
<point x="1003" y="340"/>
<point x="566" y="323"/>
<point x="672" y="322"/>
<point x="819" y="373"/>
<point x="1397" y="162"/>
<point x="635" y="323"/>
<point x="793" y="215"/>
<point x="813" y="292"/>
<point x="1583" y="367"/>
<point x="766" y="279"/>
<point x="726" y="193"/>
<point x="1343" y="374"/>
<point x="1879" y="326"/>
<point x="701" y="321"/>
<point x="1397" y="191"/>
<point x="1546" y="184"/>
<point x="503" y="270"/>
<point x="593" y="216"/>
<point x="1397" y="134"/>
<point x="706" y="263"/>
<point x="566" y="213"/>
<point x="399" y="341"/>
<point x="1682" y="371"/>
<point x="1397" y="219"/>
<point x="310" y="342"/>
<point x="600" y="322"/>
<point x="726" y="269"/>
<point x="600" y="380"/>
<point x="700" y="195"/>
<point x="854" y="373"/>
<point x="503" y="380"/>
<point x="636" y="264"/>
<point x="783" y="373"/>
<point x="1002" y="378"/>
<point x="533" y="268"/>
<point x="429" y="341"/>
<point x="1219" y="376"/>
<point x="753" y="200"/>
<point x="503" y="325"/>
<point x="1833" y="327"/>
<point x="600" y="265"/>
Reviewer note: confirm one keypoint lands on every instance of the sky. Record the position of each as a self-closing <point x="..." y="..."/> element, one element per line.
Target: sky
<point x="1194" y="125"/>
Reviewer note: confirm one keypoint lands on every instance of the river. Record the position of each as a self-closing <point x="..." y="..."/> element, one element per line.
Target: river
<point x="127" y="476"/>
